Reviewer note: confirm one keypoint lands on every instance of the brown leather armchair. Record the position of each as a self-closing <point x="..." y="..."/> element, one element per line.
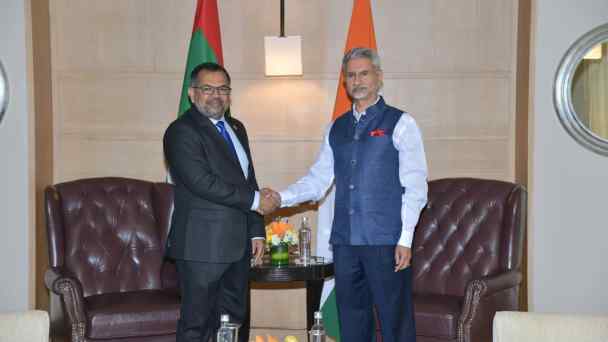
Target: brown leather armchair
<point x="107" y="276"/>
<point x="466" y="260"/>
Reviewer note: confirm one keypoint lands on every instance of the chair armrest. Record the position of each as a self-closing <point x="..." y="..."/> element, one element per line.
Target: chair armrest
<point x="69" y="290"/>
<point x="489" y="285"/>
<point x="532" y="326"/>
<point x="483" y="297"/>
<point x="32" y="325"/>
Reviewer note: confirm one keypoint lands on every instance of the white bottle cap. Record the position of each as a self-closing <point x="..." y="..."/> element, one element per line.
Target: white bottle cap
<point x="318" y="315"/>
<point x="225" y="318"/>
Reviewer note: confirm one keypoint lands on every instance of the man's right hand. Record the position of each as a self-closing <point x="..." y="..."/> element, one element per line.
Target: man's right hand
<point x="270" y="200"/>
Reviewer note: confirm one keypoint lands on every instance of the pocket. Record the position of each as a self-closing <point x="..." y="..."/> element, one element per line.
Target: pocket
<point x="207" y="227"/>
<point x="203" y="218"/>
<point x="386" y="255"/>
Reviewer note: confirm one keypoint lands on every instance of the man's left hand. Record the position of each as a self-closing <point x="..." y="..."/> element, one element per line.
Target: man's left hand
<point x="257" y="250"/>
<point x="403" y="256"/>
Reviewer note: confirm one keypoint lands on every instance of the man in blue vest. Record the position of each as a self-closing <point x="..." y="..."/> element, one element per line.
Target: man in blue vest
<point x="375" y="155"/>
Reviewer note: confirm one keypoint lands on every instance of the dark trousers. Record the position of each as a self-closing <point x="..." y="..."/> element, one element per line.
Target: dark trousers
<point x="209" y="290"/>
<point x="365" y="277"/>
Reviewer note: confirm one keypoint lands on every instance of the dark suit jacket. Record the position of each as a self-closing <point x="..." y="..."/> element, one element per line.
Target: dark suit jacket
<point x="212" y="220"/>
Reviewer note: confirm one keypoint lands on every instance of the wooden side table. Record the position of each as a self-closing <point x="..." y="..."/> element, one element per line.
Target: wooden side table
<point x="312" y="275"/>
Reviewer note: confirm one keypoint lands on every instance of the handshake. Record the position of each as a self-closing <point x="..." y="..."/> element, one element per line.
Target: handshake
<point x="270" y="200"/>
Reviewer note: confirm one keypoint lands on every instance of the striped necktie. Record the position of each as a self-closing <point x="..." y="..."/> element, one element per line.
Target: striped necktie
<point x="222" y="128"/>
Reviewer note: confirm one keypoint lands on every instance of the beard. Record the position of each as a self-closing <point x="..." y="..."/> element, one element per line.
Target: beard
<point x="359" y="93"/>
<point x="213" y="108"/>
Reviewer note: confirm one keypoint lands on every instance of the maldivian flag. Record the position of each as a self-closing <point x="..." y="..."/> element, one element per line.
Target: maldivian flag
<point x="360" y="34"/>
<point x="205" y="44"/>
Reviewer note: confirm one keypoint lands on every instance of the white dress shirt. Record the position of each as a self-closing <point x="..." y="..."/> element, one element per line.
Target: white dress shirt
<point x="241" y="155"/>
<point x="412" y="175"/>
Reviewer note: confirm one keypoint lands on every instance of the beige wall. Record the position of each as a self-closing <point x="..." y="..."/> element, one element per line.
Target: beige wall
<point x="568" y="184"/>
<point x="16" y="257"/>
<point x="118" y="66"/>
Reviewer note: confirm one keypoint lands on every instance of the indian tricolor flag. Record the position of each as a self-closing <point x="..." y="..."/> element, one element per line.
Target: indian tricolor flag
<point x="360" y="34"/>
<point x="205" y="44"/>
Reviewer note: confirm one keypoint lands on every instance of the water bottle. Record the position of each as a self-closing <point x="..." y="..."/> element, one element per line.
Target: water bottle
<point x="304" y="241"/>
<point x="228" y="332"/>
<point x="317" y="332"/>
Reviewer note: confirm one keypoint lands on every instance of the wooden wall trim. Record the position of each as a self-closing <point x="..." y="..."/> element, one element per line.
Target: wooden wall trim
<point x="522" y="96"/>
<point x="41" y="49"/>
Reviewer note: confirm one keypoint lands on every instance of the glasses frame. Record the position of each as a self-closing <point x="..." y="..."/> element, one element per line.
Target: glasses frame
<point x="210" y="90"/>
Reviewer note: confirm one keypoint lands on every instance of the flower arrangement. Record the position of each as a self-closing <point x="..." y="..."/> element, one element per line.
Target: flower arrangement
<point x="281" y="232"/>
<point x="280" y="235"/>
<point x="271" y="338"/>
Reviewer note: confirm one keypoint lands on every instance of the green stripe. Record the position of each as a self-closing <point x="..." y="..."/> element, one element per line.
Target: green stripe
<point x="199" y="52"/>
<point x="330" y="316"/>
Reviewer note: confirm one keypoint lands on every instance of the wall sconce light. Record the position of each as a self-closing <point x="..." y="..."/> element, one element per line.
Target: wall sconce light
<point x="283" y="53"/>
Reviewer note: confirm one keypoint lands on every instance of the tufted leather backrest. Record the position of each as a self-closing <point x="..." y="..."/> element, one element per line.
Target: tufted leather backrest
<point x="470" y="228"/>
<point x="109" y="233"/>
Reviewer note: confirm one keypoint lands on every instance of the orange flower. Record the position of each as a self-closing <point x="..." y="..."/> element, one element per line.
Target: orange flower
<point x="279" y="228"/>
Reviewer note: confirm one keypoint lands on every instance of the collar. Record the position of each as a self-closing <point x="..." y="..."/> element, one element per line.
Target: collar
<point x="215" y="121"/>
<point x="371" y="109"/>
<point x="358" y="115"/>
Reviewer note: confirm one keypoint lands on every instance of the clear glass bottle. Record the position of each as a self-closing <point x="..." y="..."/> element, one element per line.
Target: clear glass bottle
<point x="228" y="332"/>
<point x="317" y="331"/>
<point x="304" y="241"/>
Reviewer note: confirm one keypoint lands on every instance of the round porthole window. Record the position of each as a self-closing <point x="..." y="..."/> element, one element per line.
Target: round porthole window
<point x="581" y="90"/>
<point x="3" y="91"/>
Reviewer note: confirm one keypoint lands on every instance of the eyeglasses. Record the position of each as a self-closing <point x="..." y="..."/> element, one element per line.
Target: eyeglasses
<point x="209" y="90"/>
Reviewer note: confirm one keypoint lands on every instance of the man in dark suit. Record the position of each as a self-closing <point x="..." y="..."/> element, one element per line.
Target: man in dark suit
<point x="215" y="228"/>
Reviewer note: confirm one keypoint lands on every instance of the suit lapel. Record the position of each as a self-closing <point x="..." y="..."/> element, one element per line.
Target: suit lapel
<point x="207" y="128"/>
<point x="240" y="134"/>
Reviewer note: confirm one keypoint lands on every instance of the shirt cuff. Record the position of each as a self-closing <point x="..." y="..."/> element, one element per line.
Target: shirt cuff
<point x="256" y="201"/>
<point x="291" y="197"/>
<point x="286" y="198"/>
<point x="257" y="238"/>
<point x="406" y="239"/>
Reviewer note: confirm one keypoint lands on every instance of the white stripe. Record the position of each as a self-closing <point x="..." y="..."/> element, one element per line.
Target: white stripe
<point x="325" y="220"/>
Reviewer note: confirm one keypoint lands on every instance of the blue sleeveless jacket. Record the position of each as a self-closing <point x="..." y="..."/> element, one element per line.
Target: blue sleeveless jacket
<point x="366" y="169"/>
